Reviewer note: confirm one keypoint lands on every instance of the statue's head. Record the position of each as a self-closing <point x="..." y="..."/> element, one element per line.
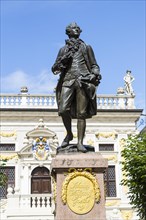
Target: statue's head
<point x="128" y="72"/>
<point x="73" y="30"/>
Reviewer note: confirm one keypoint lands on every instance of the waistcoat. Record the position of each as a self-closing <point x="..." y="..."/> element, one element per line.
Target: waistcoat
<point x="78" y="66"/>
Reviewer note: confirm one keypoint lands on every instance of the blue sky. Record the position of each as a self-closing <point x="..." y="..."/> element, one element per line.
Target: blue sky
<point x="33" y="31"/>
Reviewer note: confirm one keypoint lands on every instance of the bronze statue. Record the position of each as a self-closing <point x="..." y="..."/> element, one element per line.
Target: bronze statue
<point x="76" y="89"/>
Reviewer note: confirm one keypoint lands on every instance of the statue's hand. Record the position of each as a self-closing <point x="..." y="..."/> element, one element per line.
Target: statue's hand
<point x="55" y="69"/>
<point x="99" y="77"/>
<point x="66" y="58"/>
<point x="56" y="72"/>
<point x="92" y="77"/>
<point x="95" y="79"/>
<point x="58" y="67"/>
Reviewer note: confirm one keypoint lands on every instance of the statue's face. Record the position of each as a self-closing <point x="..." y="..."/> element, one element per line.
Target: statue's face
<point x="74" y="32"/>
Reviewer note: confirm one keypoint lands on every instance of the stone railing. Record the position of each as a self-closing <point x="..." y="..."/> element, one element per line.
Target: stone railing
<point x="36" y="201"/>
<point x="119" y="101"/>
<point x="36" y="206"/>
<point x="27" y="101"/>
<point x="29" y="201"/>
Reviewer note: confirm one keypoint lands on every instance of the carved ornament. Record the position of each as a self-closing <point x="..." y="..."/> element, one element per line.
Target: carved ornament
<point x="41" y="148"/>
<point x="90" y="142"/>
<point x="8" y="134"/>
<point x="54" y="189"/>
<point x="127" y="215"/>
<point x="80" y="190"/>
<point x="122" y="143"/>
<point x="106" y="135"/>
<point x="112" y="203"/>
<point x="113" y="158"/>
<point x="8" y="157"/>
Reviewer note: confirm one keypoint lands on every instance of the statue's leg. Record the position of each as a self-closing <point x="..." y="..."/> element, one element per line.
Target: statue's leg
<point x="82" y="102"/>
<point x="66" y="118"/>
<point x="81" y="127"/>
<point x="64" y="111"/>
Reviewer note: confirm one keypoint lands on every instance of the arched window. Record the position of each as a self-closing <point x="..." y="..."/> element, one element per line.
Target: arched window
<point x="40" y="181"/>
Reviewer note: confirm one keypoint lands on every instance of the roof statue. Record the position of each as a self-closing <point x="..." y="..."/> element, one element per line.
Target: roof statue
<point x="128" y="83"/>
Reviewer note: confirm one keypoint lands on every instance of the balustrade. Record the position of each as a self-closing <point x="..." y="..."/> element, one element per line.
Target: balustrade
<point x="36" y="206"/>
<point x="39" y="201"/>
<point x="30" y="201"/>
<point x="49" y="101"/>
<point x="35" y="201"/>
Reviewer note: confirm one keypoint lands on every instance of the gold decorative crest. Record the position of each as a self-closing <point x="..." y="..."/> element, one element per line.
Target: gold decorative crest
<point x="90" y="142"/>
<point x="112" y="203"/>
<point x="41" y="148"/>
<point x="8" y="134"/>
<point x="106" y="135"/>
<point x="114" y="158"/>
<point x="127" y="215"/>
<point x="80" y="190"/>
<point x="122" y="143"/>
<point x="54" y="189"/>
<point x="8" y="157"/>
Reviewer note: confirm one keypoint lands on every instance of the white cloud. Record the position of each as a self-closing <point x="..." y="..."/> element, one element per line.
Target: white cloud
<point x="45" y="82"/>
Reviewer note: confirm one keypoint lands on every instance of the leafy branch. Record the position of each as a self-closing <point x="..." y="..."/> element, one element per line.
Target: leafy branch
<point x="134" y="168"/>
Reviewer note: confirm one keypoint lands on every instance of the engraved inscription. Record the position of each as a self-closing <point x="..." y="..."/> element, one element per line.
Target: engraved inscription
<point x="69" y="162"/>
<point x="80" y="195"/>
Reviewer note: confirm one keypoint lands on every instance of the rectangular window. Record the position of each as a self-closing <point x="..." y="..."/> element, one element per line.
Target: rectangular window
<point x="110" y="181"/>
<point x="10" y="173"/>
<point x="106" y="147"/>
<point x="7" y="147"/>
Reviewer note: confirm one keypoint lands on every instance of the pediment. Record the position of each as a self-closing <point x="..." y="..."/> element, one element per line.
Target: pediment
<point x="44" y="132"/>
<point x="26" y="149"/>
<point x="40" y="142"/>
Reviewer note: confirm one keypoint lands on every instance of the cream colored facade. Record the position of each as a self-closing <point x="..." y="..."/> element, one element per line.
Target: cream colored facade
<point x="25" y="118"/>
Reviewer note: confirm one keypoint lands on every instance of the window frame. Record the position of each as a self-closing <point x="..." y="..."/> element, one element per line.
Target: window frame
<point x="9" y="182"/>
<point x="107" y="181"/>
<point x="106" y="145"/>
<point x="7" y="144"/>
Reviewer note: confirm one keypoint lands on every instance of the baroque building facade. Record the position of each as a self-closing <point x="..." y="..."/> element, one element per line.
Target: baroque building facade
<point x="31" y="131"/>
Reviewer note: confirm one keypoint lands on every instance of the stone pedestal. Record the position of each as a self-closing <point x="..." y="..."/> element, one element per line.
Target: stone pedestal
<point x="79" y="186"/>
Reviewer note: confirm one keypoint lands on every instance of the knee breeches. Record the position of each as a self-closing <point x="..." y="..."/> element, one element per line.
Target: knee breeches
<point x="71" y="94"/>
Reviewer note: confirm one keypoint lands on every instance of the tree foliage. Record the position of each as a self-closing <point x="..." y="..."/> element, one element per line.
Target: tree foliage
<point x="134" y="167"/>
<point x="3" y="177"/>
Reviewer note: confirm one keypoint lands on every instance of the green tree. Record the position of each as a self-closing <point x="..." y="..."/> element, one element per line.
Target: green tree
<point x="134" y="167"/>
<point x="3" y="177"/>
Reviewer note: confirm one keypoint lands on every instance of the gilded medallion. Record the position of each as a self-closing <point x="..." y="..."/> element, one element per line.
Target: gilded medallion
<point x="80" y="191"/>
<point x="80" y="195"/>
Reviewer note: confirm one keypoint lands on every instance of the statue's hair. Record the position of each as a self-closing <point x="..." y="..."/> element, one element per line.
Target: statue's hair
<point x="70" y="26"/>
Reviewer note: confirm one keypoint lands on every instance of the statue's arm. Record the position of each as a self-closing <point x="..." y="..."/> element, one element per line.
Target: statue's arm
<point x="94" y="66"/>
<point x="95" y="69"/>
<point x="57" y="67"/>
